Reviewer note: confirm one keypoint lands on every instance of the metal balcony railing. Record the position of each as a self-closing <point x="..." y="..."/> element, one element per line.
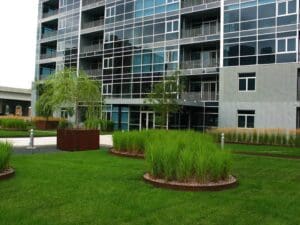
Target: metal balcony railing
<point x="48" y="55"/>
<point x="189" y="3"/>
<point x="200" y="31"/>
<point x="199" y="96"/>
<point x="192" y="64"/>
<point x="94" y="23"/>
<point x="48" y="34"/>
<point x="91" y="48"/>
<point x="50" y="13"/>
<point x="93" y="72"/>
<point x="89" y="2"/>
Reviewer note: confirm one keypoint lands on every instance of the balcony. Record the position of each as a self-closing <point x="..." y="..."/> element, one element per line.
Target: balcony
<point x="91" y="48"/>
<point x="189" y="3"/>
<point x="93" y="72"/>
<point x="50" y="13"/>
<point x="94" y="23"/>
<point x="90" y="2"/>
<point x="50" y="8"/>
<point x="199" y="96"/>
<point x="49" y="34"/>
<point x="48" y="55"/>
<point x="204" y="29"/>
<point x="193" y="64"/>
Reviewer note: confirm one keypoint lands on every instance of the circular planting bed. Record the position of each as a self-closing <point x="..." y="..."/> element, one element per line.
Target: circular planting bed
<point x="127" y="154"/>
<point x="211" y="186"/>
<point x="7" y="173"/>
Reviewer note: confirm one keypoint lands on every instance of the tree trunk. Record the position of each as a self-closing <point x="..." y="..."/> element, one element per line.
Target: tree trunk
<point x="76" y="115"/>
<point x="167" y="120"/>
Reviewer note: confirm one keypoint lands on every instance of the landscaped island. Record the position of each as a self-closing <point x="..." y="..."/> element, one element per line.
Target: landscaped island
<point x="5" y="153"/>
<point x="178" y="159"/>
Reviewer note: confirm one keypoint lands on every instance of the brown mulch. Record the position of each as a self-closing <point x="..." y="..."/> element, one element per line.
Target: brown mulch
<point x="7" y="173"/>
<point x="127" y="154"/>
<point x="192" y="186"/>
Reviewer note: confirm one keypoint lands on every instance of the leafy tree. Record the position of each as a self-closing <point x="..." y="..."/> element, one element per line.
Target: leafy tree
<point x="67" y="88"/>
<point x="164" y="98"/>
<point x="42" y="106"/>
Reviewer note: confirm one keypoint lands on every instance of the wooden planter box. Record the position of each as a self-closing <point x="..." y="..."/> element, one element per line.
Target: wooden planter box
<point x="77" y="139"/>
<point x="46" y="125"/>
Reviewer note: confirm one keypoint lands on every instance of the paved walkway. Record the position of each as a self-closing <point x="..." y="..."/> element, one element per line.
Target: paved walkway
<point x="105" y="140"/>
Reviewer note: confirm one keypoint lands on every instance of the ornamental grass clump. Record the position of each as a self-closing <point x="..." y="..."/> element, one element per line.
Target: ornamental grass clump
<point x="14" y="124"/>
<point x="5" y="154"/>
<point x="187" y="156"/>
<point x="132" y="141"/>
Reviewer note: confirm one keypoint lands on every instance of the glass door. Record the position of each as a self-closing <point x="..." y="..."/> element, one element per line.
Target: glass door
<point x="147" y="120"/>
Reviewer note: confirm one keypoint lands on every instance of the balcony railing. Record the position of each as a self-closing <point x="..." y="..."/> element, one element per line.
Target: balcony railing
<point x="89" y="2"/>
<point x="50" y="13"/>
<point x="192" y="64"/>
<point x="48" y="34"/>
<point x="202" y="30"/>
<point x="94" y="23"/>
<point x="91" y="48"/>
<point x="189" y="3"/>
<point x="48" y="55"/>
<point x="93" y="72"/>
<point x="199" y="96"/>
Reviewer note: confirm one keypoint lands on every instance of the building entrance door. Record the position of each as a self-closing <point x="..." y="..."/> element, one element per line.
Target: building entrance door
<point x="147" y="120"/>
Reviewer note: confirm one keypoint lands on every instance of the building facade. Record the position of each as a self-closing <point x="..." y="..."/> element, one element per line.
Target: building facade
<point x="15" y="101"/>
<point x="239" y="58"/>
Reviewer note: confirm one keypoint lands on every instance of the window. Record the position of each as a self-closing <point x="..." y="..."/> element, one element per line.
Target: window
<point x="171" y="56"/>
<point x="286" y="45"/>
<point x="171" y="1"/>
<point x="172" y="26"/>
<point x="108" y="63"/>
<point x="246" y="118"/>
<point x="107" y="89"/>
<point x="109" y="37"/>
<point x="286" y="7"/>
<point x="247" y="82"/>
<point x="110" y="12"/>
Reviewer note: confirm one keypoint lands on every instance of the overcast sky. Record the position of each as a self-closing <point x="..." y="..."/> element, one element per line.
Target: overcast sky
<point x="18" y="24"/>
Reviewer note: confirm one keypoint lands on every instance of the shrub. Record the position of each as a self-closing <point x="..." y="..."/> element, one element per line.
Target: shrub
<point x="104" y="125"/>
<point x="186" y="156"/>
<point x="132" y="141"/>
<point x="5" y="153"/>
<point x="64" y="124"/>
<point x="16" y="124"/>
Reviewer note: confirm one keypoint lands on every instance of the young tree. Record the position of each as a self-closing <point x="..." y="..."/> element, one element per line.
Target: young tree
<point x="67" y="88"/>
<point x="164" y="98"/>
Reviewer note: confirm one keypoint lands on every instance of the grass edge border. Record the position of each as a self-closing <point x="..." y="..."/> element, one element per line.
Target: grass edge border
<point x="6" y="174"/>
<point x="126" y="154"/>
<point x="188" y="187"/>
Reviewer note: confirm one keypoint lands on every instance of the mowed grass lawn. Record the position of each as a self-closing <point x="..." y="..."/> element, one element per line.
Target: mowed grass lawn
<point x="281" y="150"/>
<point x="19" y="133"/>
<point x="98" y="188"/>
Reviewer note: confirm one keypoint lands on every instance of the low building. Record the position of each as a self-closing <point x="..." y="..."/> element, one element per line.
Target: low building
<point x="15" y="101"/>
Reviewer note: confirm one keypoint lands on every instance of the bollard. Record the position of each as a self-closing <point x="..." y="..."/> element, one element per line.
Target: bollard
<point x="222" y="141"/>
<point x="31" y="141"/>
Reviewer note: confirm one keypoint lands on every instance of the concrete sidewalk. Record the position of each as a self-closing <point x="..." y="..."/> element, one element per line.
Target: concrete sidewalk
<point x="105" y="140"/>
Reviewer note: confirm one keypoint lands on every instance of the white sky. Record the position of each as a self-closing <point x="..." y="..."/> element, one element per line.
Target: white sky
<point x="18" y="25"/>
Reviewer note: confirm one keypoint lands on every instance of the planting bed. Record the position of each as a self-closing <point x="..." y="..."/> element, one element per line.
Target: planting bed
<point x="7" y="173"/>
<point x="127" y="154"/>
<point x="192" y="186"/>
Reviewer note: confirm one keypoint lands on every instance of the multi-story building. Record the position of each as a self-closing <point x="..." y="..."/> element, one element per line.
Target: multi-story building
<point x="239" y="57"/>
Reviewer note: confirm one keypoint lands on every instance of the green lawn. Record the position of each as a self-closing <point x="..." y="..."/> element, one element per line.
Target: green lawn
<point x="290" y="151"/>
<point x="37" y="133"/>
<point x="98" y="188"/>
